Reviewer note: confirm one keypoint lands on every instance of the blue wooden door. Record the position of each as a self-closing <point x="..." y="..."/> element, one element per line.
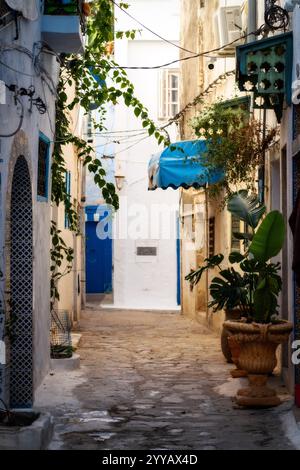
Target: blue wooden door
<point x="98" y="261"/>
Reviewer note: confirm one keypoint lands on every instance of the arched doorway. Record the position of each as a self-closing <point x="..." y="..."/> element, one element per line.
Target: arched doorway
<point x="21" y="288"/>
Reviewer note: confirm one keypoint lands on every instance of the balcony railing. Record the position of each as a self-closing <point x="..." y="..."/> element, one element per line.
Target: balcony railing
<point x="66" y="8"/>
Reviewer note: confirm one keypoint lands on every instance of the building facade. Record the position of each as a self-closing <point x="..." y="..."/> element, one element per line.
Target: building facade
<point x="145" y="257"/>
<point x="71" y="287"/>
<point x="30" y="39"/>
<point x="213" y="77"/>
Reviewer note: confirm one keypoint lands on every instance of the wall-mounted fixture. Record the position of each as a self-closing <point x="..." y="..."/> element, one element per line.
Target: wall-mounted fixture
<point x="120" y="179"/>
<point x="265" y="68"/>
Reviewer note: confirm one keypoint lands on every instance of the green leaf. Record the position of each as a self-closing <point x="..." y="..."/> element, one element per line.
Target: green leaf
<point x="243" y="236"/>
<point x="269" y="239"/>
<point x="194" y="277"/>
<point x="265" y="302"/>
<point x="236" y="257"/>
<point x="247" y="208"/>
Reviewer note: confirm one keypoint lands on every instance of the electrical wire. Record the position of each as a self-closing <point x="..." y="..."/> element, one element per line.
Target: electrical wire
<point x="197" y="99"/>
<point x="11" y="134"/>
<point x="16" y="71"/>
<point x="128" y="148"/>
<point x="150" y="30"/>
<point x="201" y="54"/>
<point x="119" y="132"/>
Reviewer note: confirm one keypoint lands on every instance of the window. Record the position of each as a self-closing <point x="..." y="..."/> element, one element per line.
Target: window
<point x="89" y="131"/>
<point x="169" y="93"/>
<point x="211" y="237"/>
<point x="235" y="228"/>
<point x="43" y="168"/>
<point x="68" y="190"/>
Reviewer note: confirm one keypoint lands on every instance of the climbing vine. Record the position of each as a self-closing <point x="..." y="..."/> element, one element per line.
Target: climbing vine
<point x="89" y="73"/>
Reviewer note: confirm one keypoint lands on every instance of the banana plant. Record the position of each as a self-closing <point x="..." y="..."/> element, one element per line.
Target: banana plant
<point x="248" y="209"/>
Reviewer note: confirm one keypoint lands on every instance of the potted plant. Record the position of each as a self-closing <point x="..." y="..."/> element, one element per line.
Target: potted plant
<point x="230" y="289"/>
<point x="257" y="289"/>
<point x="61" y="7"/>
<point x="236" y="143"/>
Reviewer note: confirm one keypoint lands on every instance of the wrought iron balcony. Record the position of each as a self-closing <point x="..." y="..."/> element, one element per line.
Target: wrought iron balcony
<point x="64" y="25"/>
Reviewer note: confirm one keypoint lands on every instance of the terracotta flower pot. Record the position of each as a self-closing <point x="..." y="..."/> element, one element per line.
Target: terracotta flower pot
<point x="258" y="343"/>
<point x="226" y="350"/>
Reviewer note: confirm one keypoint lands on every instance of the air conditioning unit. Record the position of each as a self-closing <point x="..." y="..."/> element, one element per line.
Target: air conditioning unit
<point x="228" y="28"/>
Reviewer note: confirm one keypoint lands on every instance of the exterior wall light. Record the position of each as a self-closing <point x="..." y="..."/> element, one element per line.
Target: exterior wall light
<point x="120" y="179"/>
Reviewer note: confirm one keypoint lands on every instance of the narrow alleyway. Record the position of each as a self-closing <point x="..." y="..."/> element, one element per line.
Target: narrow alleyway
<point x="152" y="381"/>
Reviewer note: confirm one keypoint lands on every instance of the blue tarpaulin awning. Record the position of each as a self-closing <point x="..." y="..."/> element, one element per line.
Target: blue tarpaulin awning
<point x="182" y="165"/>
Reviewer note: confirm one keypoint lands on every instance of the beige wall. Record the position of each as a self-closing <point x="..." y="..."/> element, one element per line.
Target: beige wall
<point x="197" y="33"/>
<point x="70" y="286"/>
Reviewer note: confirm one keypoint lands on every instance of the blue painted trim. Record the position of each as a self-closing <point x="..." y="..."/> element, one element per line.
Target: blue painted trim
<point x="178" y="264"/>
<point x="243" y="51"/>
<point x="45" y="139"/>
<point x="68" y="190"/>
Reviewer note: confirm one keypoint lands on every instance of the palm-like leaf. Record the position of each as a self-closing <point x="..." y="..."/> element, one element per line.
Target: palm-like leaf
<point x="269" y="239"/>
<point x="247" y="208"/>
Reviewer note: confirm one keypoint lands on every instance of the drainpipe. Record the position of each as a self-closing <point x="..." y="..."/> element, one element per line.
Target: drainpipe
<point x="252" y="19"/>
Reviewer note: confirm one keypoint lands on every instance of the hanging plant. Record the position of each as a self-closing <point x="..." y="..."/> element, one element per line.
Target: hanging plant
<point x="236" y="144"/>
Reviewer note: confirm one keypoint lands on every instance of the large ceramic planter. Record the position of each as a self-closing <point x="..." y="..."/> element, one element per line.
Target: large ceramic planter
<point x="258" y="345"/>
<point x="226" y="350"/>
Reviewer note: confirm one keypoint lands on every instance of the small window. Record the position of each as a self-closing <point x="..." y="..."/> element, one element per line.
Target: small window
<point x="211" y="235"/>
<point x="89" y="130"/>
<point x="235" y="228"/>
<point x="43" y="168"/>
<point x="169" y="93"/>
<point x="68" y="191"/>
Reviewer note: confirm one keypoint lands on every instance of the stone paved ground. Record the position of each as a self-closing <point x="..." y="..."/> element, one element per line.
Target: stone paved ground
<point x="152" y="381"/>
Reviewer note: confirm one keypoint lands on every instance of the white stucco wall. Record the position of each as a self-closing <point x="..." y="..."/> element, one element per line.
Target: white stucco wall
<point x="139" y="282"/>
<point x="29" y="33"/>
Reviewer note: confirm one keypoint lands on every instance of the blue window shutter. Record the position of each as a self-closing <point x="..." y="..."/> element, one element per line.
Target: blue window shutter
<point x="43" y="168"/>
<point x="68" y="190"/>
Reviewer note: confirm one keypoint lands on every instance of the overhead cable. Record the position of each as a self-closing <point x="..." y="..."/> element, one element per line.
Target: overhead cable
<point x="150" y="30"/>
<point x="195" y="56"/>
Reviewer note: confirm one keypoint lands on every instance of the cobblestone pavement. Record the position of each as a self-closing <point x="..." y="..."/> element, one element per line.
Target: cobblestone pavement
<point x="152" y="381"/>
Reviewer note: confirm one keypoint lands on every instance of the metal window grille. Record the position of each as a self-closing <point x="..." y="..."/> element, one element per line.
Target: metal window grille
<point x="42" y="183"/>
<point x="21" y="363"/>
<point x="211" y="239"/>
<point x="60" y="332"/>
